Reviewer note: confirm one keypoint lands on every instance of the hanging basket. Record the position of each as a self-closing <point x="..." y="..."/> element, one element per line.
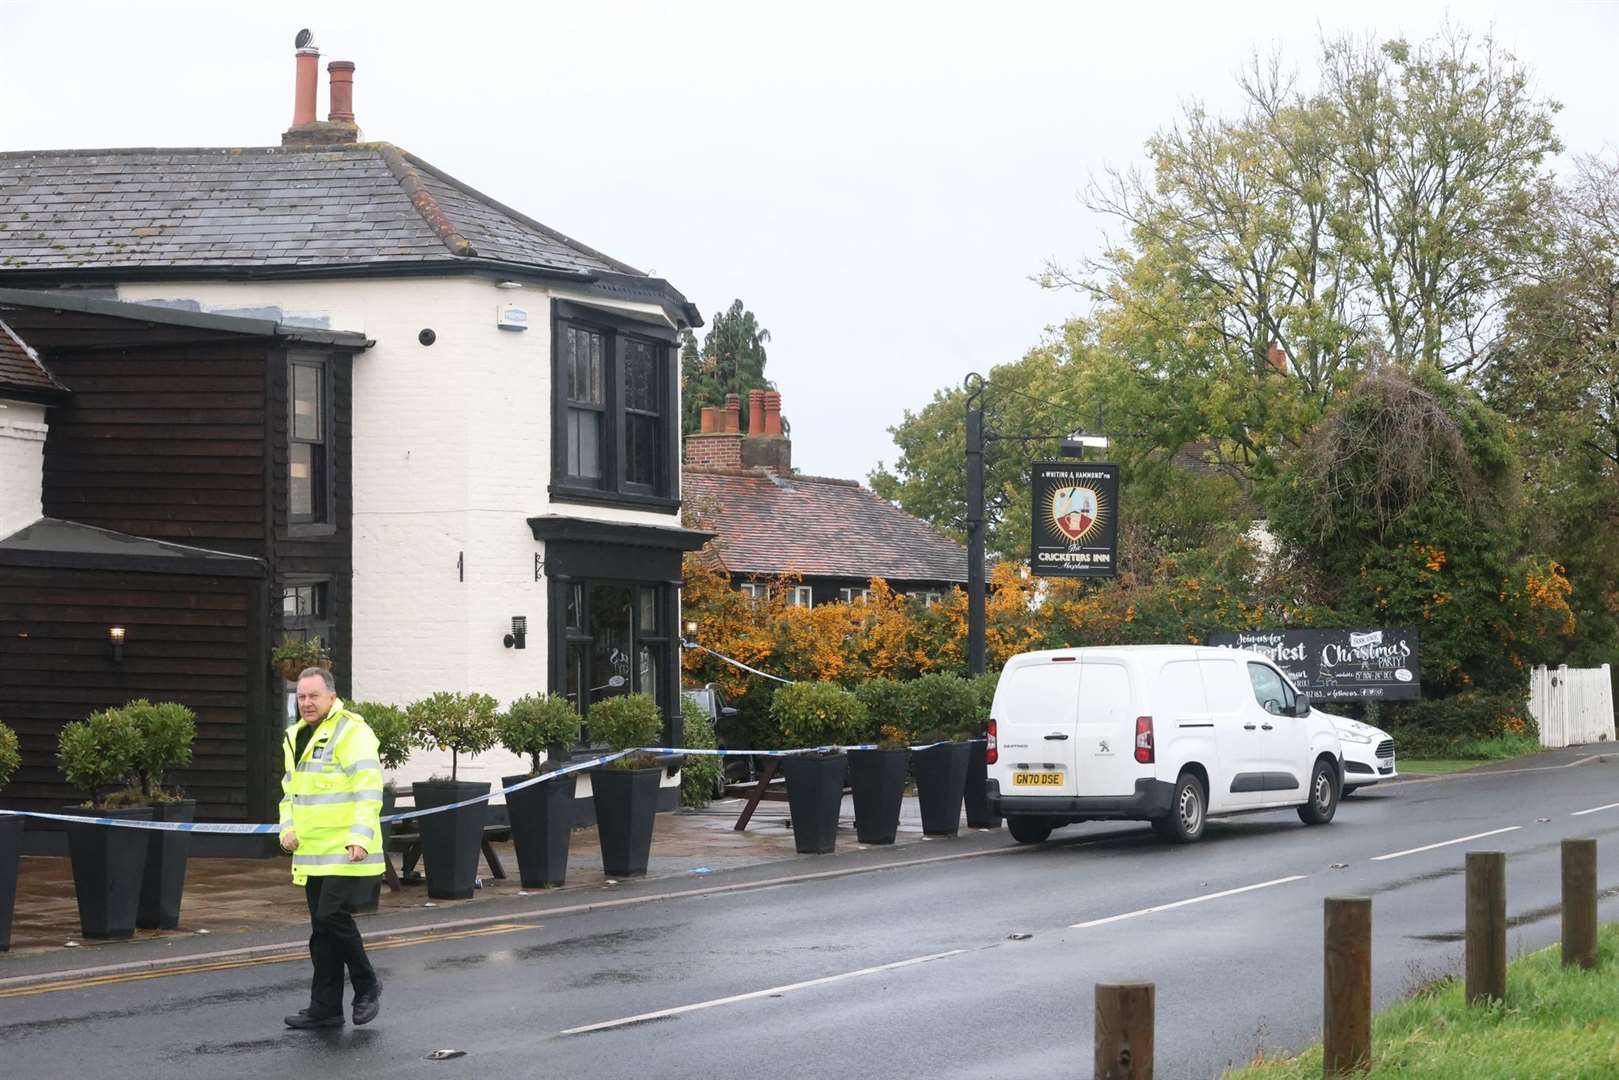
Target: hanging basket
<point x="289" y="670"/>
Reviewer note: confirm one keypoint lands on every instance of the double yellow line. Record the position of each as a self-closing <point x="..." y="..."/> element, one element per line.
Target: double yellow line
<point x="206" y="967"/>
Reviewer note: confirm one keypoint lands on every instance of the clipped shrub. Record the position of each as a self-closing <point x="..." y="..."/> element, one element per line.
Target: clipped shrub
<point x="810" y="714"/>
<point x="167" y="730"/>
<point x="1444" y="727"/>
<point x="10" y="755"/>
<point x="538" y="724"/>
<point x="984" y="689"/>
<point x="395" y="738"/>
<point x="459" y="723"/>
<point x="699" y="775"/>
<point x="99" y="752"/>
<point x="887" y="707"/>
<point x="626" y="722"/>
<point x="944" y="708"/>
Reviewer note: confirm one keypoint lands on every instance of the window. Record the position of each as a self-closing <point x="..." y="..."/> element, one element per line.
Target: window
<point x="801" y="596"/>
<point x="616" y="435"/>
<point x="756" y="591"/>
<point x="849" y="596"/>
<point x="306" y="612"/>
<point x="309" y="443"/>
<point x="1271" y="690"/>
<point x="928" y="598"/>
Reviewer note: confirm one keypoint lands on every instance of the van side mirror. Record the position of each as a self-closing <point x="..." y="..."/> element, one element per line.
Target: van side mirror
<point x="1301" y="706"/>
<point x="727" y="711"/>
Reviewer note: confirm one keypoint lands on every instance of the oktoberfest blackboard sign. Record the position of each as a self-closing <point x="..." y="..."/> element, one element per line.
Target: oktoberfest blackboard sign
<point x="1076" y="520"/>
<point x="1339" y="665"/>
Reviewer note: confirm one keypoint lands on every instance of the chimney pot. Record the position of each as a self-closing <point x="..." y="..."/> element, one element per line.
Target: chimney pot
<point x="756" y="412"/>
<point x="711" y="419"/>
<point x="342" y="96"/>
<point x="1278" y="358"/>
<point x="305" y="85"/>
<point x="772" y="413"/>
<point x="733" y="414"/>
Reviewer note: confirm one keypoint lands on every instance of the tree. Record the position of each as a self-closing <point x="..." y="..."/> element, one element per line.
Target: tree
<point x="732" y="361"/>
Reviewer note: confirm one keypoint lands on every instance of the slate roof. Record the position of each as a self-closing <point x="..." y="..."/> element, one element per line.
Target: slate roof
<point x="817" y="527"/>
<point x="21" y="369"/>
<point x="365" y="204"/>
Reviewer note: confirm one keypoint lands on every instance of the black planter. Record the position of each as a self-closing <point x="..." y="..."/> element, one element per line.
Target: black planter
<point x="542" y="820"/>
<point x="108" y="863"/>
<point x="452" y="840"/>
<point x="390" y="800"/>
<point x="976" y="795"/>
<point x="10" y="847"/>
<point x="878" y="779"/>
<point x="164" y="880"/>
<point x="814" y="797"/>
<point x="941" y="781"/>
<point x="626" y="807"/>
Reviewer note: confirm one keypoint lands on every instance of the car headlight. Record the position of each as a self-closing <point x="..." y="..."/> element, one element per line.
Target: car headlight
<point x="1355" y="737"/>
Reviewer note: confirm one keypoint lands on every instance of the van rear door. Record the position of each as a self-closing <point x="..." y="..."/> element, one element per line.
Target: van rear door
<point x="1106" y="730"/>
<point x="1035" y="707"/>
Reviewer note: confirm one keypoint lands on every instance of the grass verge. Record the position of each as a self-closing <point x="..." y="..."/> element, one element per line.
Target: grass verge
<point x="1556" y="1022"/>
<point x="1467" y="753"/>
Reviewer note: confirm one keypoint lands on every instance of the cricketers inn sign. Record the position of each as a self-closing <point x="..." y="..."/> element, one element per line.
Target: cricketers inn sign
<point x="1076" y="520"/>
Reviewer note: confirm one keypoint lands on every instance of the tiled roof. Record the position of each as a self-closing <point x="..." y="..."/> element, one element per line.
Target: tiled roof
<point x="20" y="367"/>
<point x="362" y="204"/>
<point x="770" y="525"/>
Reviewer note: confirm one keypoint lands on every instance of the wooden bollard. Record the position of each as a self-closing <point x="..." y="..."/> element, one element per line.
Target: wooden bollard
<point x="1580" y="902"/>
<point x="1124" y="1013"/>
<point x="1486" y="951"/>
<point x="1346" y="1023"/>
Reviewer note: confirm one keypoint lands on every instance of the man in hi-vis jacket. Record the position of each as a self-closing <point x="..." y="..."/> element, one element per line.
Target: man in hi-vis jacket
<point x="330" y="804"/>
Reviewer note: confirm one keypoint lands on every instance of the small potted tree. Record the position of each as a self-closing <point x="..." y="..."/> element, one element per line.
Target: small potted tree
<point x="626" y="790"/>
<point x="295" y="654"/>
<point x="702" y="776"/>
<point x="976" y="795"/>
<point x="878" y="776"/>
<point x="167" y="730"/>
<point x="541" y="814"/>
<point x="10" y="838"/>
<point x="826" y="716"/>
<point x="451" y="840"/>
<point x="394" y="743"/>
<point x="96" y="754"/>
<point x="946" y="711"/>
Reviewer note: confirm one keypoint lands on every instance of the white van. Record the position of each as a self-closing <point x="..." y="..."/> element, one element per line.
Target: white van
<point x="1162" y="733"/>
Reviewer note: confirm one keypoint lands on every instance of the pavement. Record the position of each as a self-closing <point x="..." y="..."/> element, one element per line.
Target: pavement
<point x="967" y="957"/>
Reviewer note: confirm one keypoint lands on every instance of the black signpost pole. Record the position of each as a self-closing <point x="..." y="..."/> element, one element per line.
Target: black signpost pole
<point x="975" y="525"/>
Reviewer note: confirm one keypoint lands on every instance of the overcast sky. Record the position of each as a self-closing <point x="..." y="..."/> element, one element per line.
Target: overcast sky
<point x="878" y="182"/>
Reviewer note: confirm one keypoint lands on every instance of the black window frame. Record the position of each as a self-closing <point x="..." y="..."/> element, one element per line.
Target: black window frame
<point x="580" y="633"/>
<point x="613" y="487"/>
<point x="320" y="624"/>
<point x="323" y="477"/>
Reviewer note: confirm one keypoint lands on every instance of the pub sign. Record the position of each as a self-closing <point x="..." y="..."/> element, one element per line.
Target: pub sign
<point x="1076" y="520"/>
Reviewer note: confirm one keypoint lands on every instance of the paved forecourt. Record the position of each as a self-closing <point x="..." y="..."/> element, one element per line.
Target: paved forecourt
<point x="905" y="972"/>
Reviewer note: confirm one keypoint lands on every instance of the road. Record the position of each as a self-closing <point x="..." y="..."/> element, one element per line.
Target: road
<point x="906" y="972"/>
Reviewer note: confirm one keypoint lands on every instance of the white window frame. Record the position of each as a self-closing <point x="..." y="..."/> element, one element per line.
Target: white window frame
<point x="849" y="596"/>
<point x="801" y="596"/>
<point x="755" y="591"/>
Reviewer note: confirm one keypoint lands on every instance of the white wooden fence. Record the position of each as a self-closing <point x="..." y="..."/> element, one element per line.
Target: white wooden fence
<point x="1572" y="705"/>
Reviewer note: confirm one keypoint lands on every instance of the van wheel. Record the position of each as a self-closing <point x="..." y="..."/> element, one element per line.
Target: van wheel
<point x="1323" y="795"/>
<point x="1029" y="830"/>
<point x="1184" y="822"/>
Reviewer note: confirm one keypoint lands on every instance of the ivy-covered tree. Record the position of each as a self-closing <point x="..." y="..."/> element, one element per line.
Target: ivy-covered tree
<point x="731" y="361"/>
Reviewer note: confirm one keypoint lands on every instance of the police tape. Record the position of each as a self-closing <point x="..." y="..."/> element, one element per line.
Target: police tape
<point x="223" y="828"/>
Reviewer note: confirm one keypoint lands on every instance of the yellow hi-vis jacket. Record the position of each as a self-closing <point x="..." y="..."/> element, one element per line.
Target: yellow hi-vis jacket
<point x="332" y="797"/>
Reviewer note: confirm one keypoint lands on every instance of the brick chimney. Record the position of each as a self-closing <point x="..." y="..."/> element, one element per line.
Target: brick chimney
<point x="339" y="126"/>
<point x="766" y="447"/>
<point x="1277" y="357"/>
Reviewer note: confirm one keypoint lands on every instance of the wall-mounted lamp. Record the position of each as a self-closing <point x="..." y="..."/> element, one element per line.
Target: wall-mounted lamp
<point x="518" y="638"/>
<point x="691" y="629"/>
<point x="115" y="638"/>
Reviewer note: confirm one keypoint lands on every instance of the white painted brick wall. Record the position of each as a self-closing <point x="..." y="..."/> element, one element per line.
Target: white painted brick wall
<point x="22" y="463"/>
<point x="451" y="456"/>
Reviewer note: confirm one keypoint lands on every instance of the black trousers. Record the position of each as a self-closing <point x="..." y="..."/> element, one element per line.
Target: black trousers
<point x="334" y="940"/>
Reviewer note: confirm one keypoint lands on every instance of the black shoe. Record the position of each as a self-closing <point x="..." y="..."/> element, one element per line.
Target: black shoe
<point x="304" y="1020"/>
<point x="367" y="1004"/>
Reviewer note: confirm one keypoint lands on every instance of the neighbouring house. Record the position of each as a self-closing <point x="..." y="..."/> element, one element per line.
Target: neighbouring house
<point x="496" y="478"/>
<point x="832" y="537"/>
<point x="147" y="509"/>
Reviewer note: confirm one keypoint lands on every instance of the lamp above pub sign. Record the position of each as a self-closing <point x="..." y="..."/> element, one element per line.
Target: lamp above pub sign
<point x="1076" y="520"/>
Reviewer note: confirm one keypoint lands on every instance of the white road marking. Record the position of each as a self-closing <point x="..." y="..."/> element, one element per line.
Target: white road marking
<point x="1183" y="903"/>
<point x="1446" y="843"/>
<point x="775" y="990"/>
<point x="1594" y="809"/>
